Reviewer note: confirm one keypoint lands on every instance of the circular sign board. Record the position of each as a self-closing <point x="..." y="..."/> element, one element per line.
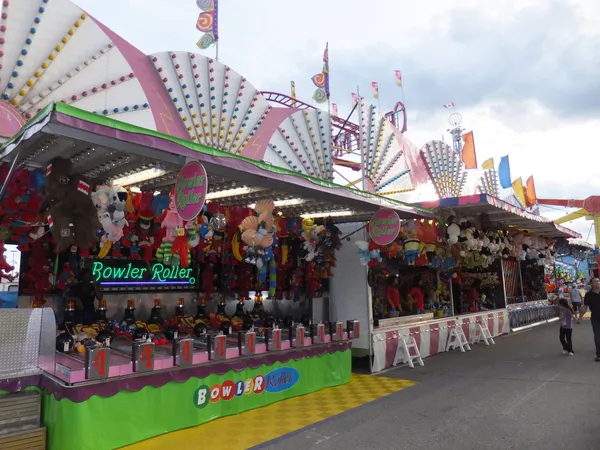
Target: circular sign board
<point x="384" y="226"/>
<point x="190" y="190"/>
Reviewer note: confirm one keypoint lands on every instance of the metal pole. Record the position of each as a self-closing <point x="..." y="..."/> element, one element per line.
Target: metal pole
<point x="451" y="295"/>
<point x="503" y="283"/>
<point x="360" y="138"/>
<point x="521" y="283"/>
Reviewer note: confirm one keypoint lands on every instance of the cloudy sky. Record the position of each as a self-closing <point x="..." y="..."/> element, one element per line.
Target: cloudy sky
<point x="525" y="75"/>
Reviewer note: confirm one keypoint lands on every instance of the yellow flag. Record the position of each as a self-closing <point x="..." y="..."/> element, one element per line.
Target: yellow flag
<point x="488" y="164"/>
<point x="517" y="186"/>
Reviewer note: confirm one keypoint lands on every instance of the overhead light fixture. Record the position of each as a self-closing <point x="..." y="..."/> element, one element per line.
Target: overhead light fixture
<point x="232" y="192"/>
<point x="139" y="177"/>
<point x="328" y="214"/>
<point x="283" y="203"/>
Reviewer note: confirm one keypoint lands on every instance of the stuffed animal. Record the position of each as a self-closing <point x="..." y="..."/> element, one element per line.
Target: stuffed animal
<point x="145" y="226"/>
<point x="412" y="244"/>
<point x="173" y="249"/>
<point x="37" y="278"/>
<point x="5" y="268"/>
<point x="257" y="234"/>
<point x="71" y="213"/>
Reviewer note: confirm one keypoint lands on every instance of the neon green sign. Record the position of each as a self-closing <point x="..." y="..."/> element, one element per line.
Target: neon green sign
<point x="140" y="274"/>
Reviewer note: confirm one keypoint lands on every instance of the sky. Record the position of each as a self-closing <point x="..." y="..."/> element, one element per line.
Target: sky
<point x="524" y="75"/>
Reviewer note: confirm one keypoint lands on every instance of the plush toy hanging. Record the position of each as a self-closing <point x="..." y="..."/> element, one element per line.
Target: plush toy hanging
<point x="368" y="257"/>
<point x="5" y="268"/>
<point x="173" y="248"/>
<point x="145" y="226"/>
<point x="257" y="234"/>
<point x="412" y="245"/>
<point x="37" y="278"/>
<point x="71" y="213"/>
<point x="110" y="205"/>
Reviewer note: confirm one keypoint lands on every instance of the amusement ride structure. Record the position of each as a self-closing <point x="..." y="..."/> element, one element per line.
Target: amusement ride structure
<point x="54" y="52"/>
<point x="588" y="208"/>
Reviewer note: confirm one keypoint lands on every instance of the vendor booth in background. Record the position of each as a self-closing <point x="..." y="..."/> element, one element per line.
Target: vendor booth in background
<point x="173" y="265"/>
<point x="488" y="257"/>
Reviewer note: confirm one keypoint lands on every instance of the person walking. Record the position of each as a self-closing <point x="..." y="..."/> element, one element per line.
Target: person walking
<point x="592" y="301"/>
<point x="575" y="295"/>
<point x="566" y="326"/>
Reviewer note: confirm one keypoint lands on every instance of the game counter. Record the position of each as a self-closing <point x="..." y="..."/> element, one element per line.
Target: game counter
<point x="129" y="407"/>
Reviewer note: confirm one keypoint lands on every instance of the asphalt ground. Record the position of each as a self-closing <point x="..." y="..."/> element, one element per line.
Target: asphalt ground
<point x="520" y="393"/>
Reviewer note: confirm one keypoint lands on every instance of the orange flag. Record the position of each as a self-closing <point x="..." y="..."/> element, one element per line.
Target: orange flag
<point x="530" y="195"/>
<point x="469" y="156"/>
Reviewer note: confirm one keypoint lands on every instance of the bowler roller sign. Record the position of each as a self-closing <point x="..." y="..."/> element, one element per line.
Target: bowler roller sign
<point x="277" y="380"/>
<point x="190" y="190"/>
<point x="384" y="226"/>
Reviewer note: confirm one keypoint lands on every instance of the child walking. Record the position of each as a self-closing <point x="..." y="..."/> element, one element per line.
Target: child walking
<point x="566" y="314"/>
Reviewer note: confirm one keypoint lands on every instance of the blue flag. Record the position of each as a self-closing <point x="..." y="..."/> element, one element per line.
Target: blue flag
<point x="504" y="173"/>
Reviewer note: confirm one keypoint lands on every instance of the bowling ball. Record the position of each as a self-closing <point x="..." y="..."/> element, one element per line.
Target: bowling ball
<point x="104" y="337"/>
<point x="248" y="323"/>
<point x="171" y="332"/>
<point x="140" y="334"/>
<point x="225" y="327"/>
<point x="64" y="343"/>
<point x="200" y="330"/>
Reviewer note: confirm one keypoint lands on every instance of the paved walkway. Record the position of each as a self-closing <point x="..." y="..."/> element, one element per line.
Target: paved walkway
<point x="520" y="394"/>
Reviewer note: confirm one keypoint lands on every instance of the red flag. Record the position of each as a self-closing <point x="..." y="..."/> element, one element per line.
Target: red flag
<point x="449" y="105"/>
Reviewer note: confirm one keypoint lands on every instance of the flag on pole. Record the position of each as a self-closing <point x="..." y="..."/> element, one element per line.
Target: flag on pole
<point x="469" y="156"/>
<point x="488" y="164"/>
<point x="449" y="105"/>
<point x="354" y="99"/>
<point x="293" y="92"/>
<point x="375" y="88"/>
<point x="321" y="80"/>
<point x="334" y="109"/>
<point x="398" y="76"/>
<point x="504" y="172"/>
<point x="326" y="68"/>
<point x="517" y="186"/>
<point x="208" y="23"/>
<point x="530" y="194"/>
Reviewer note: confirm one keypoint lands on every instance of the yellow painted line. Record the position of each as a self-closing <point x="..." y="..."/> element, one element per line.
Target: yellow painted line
<point x="251" y="428"/>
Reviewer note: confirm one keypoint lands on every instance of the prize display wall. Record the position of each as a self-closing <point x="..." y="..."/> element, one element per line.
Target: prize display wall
<point x="164" y="289"/>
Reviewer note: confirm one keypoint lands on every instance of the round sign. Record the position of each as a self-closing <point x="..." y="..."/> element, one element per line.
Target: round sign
<point x="190" y="190"/>
<point x="384" y="226"/>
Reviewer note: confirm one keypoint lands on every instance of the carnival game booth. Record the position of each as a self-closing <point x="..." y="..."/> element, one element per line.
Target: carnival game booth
<point x="484" y="251"/>
<point x="182" y="228"/>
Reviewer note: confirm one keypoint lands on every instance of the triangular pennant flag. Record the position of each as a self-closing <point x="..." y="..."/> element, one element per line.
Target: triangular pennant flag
<point x="488" y="164"/>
